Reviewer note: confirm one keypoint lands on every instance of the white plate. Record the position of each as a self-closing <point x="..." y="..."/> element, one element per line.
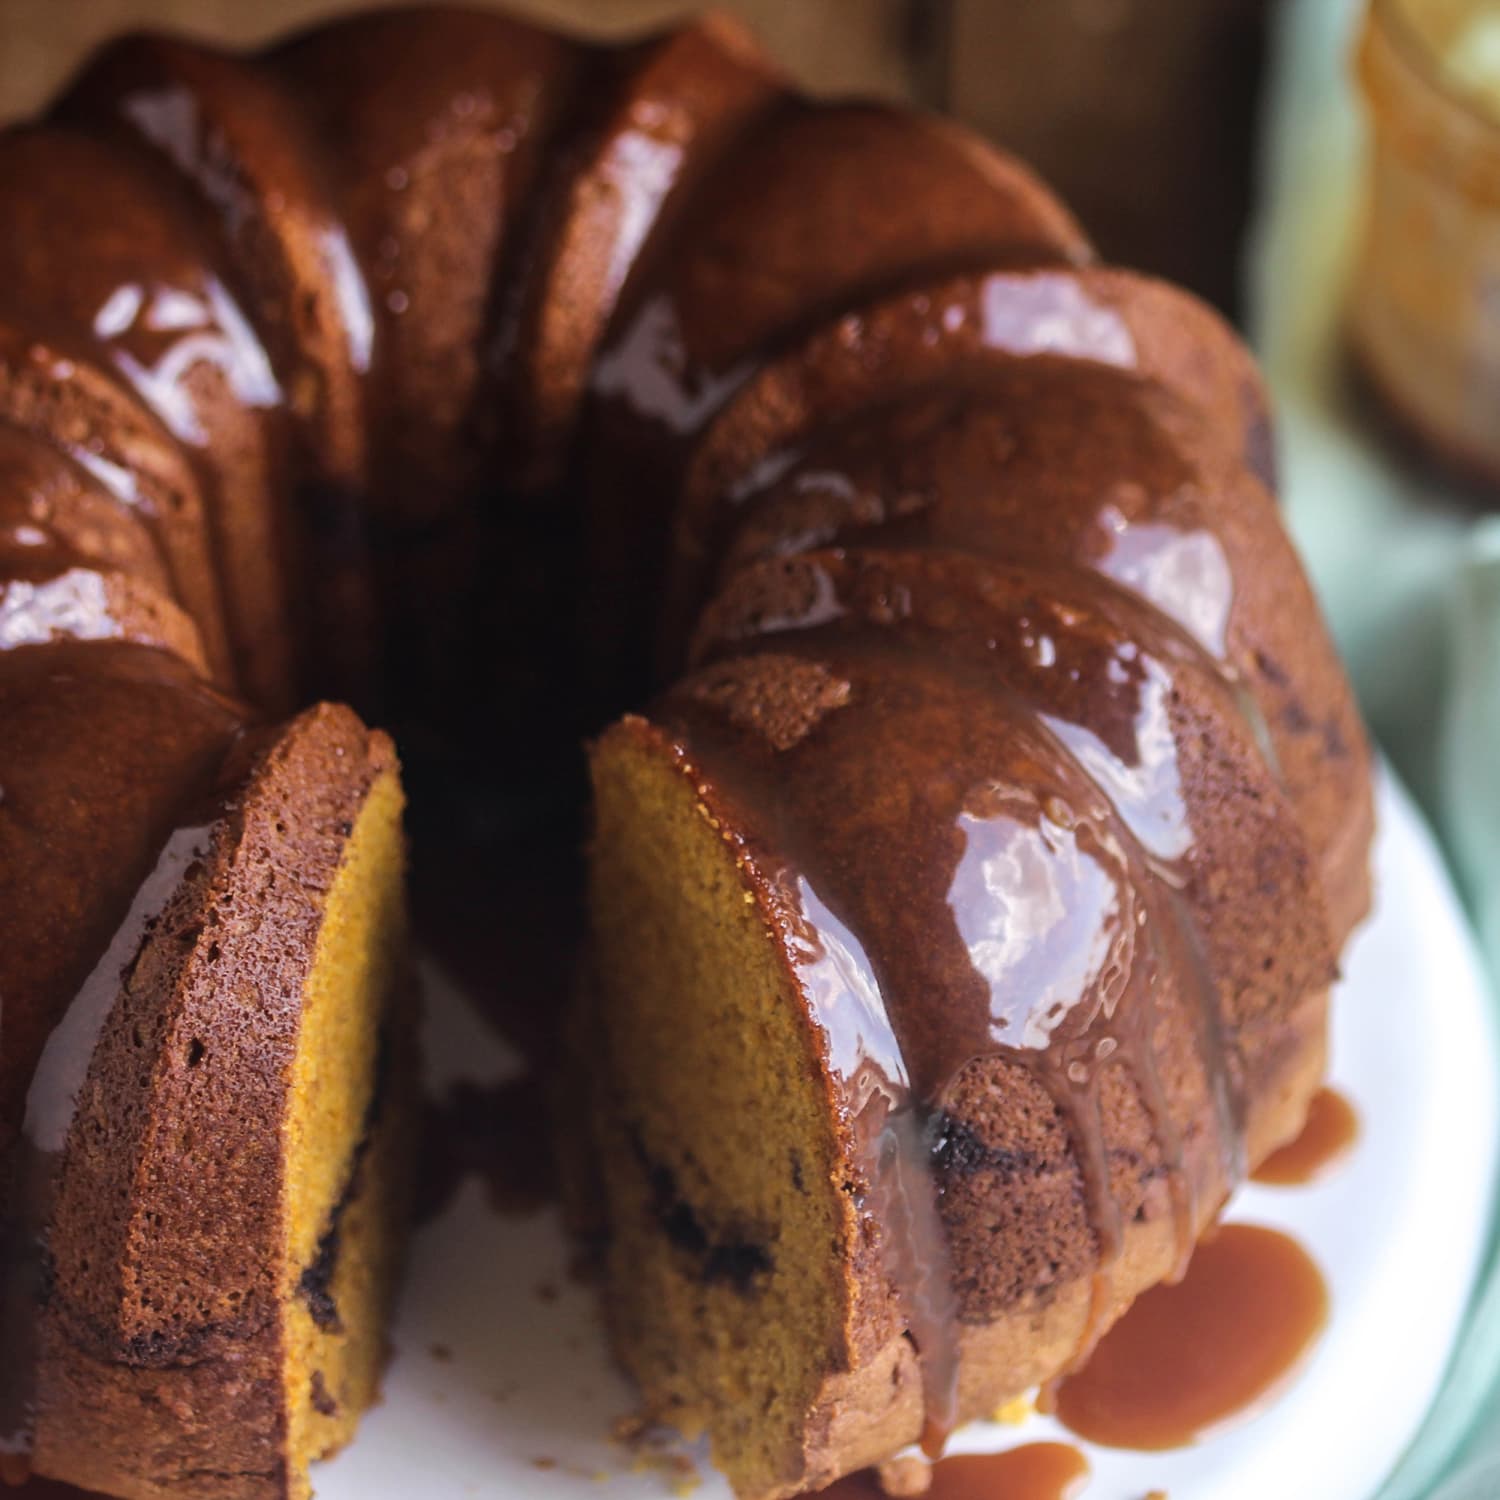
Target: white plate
<point x="519" y="1398"/>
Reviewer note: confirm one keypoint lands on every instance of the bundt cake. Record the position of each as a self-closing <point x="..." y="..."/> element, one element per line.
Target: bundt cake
<point x="963" y="910"/>
<point x="207" y="1142"/>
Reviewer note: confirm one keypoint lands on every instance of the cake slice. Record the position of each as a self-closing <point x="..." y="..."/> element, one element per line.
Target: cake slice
<point x="919" y="1046"/>
<point x="214" y="1133"/>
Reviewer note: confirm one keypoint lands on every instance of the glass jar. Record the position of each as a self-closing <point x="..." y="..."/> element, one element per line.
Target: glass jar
<point x="1425" y="316"/>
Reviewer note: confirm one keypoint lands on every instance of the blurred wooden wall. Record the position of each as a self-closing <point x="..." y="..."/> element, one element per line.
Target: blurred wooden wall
<point x="1142" y="113"/>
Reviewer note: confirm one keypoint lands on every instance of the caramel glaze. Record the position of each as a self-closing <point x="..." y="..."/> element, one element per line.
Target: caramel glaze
<point x="224" y="134"/>
<point x="1034" y="1471"/>
<point x="54" y="391"/>
<point x="986" y="384"/>
<point x="1331" y="1131"/>
<point x="1013" y="815"/>
<point x="294" y="350"/>
<point x="158" y="317"/>
<point x="73" y="566"/>
<point x="984" y="693"/>
<point x="430" y="118"/>
<point x="1187" y="1358"/>
<point x="661" y="115"/>
<point x="742" y="273"/>
<point x="55" y="516"/>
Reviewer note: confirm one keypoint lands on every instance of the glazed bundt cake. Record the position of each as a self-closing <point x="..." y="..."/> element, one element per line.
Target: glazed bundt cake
<point x="206" y="1144"/>
<point x="963" y="911"/>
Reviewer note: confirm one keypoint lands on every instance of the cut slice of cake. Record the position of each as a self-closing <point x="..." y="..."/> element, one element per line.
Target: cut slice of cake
<point x="217" y="1135"/>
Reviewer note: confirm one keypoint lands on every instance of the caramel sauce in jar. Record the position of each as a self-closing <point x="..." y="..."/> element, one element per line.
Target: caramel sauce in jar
<point x="1424" y="320"/>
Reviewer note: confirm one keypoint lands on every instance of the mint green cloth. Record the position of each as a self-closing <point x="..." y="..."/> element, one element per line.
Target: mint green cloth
<point x="1411" y="583"/>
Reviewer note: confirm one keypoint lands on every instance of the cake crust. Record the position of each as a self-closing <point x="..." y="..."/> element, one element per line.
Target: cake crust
<point x="162" y="1339"/>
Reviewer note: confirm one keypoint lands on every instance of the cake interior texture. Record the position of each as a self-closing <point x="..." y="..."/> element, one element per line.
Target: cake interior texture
<point x="349" y="1138"/>
<point x="729" y="1199"/>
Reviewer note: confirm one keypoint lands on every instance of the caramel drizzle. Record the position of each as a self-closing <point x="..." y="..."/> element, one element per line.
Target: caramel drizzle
<point x="1073" y="1073"/>
<point x="1152" y="562"/>
<point x="1163" y="939"/>
<point x="899" y="1137"/>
